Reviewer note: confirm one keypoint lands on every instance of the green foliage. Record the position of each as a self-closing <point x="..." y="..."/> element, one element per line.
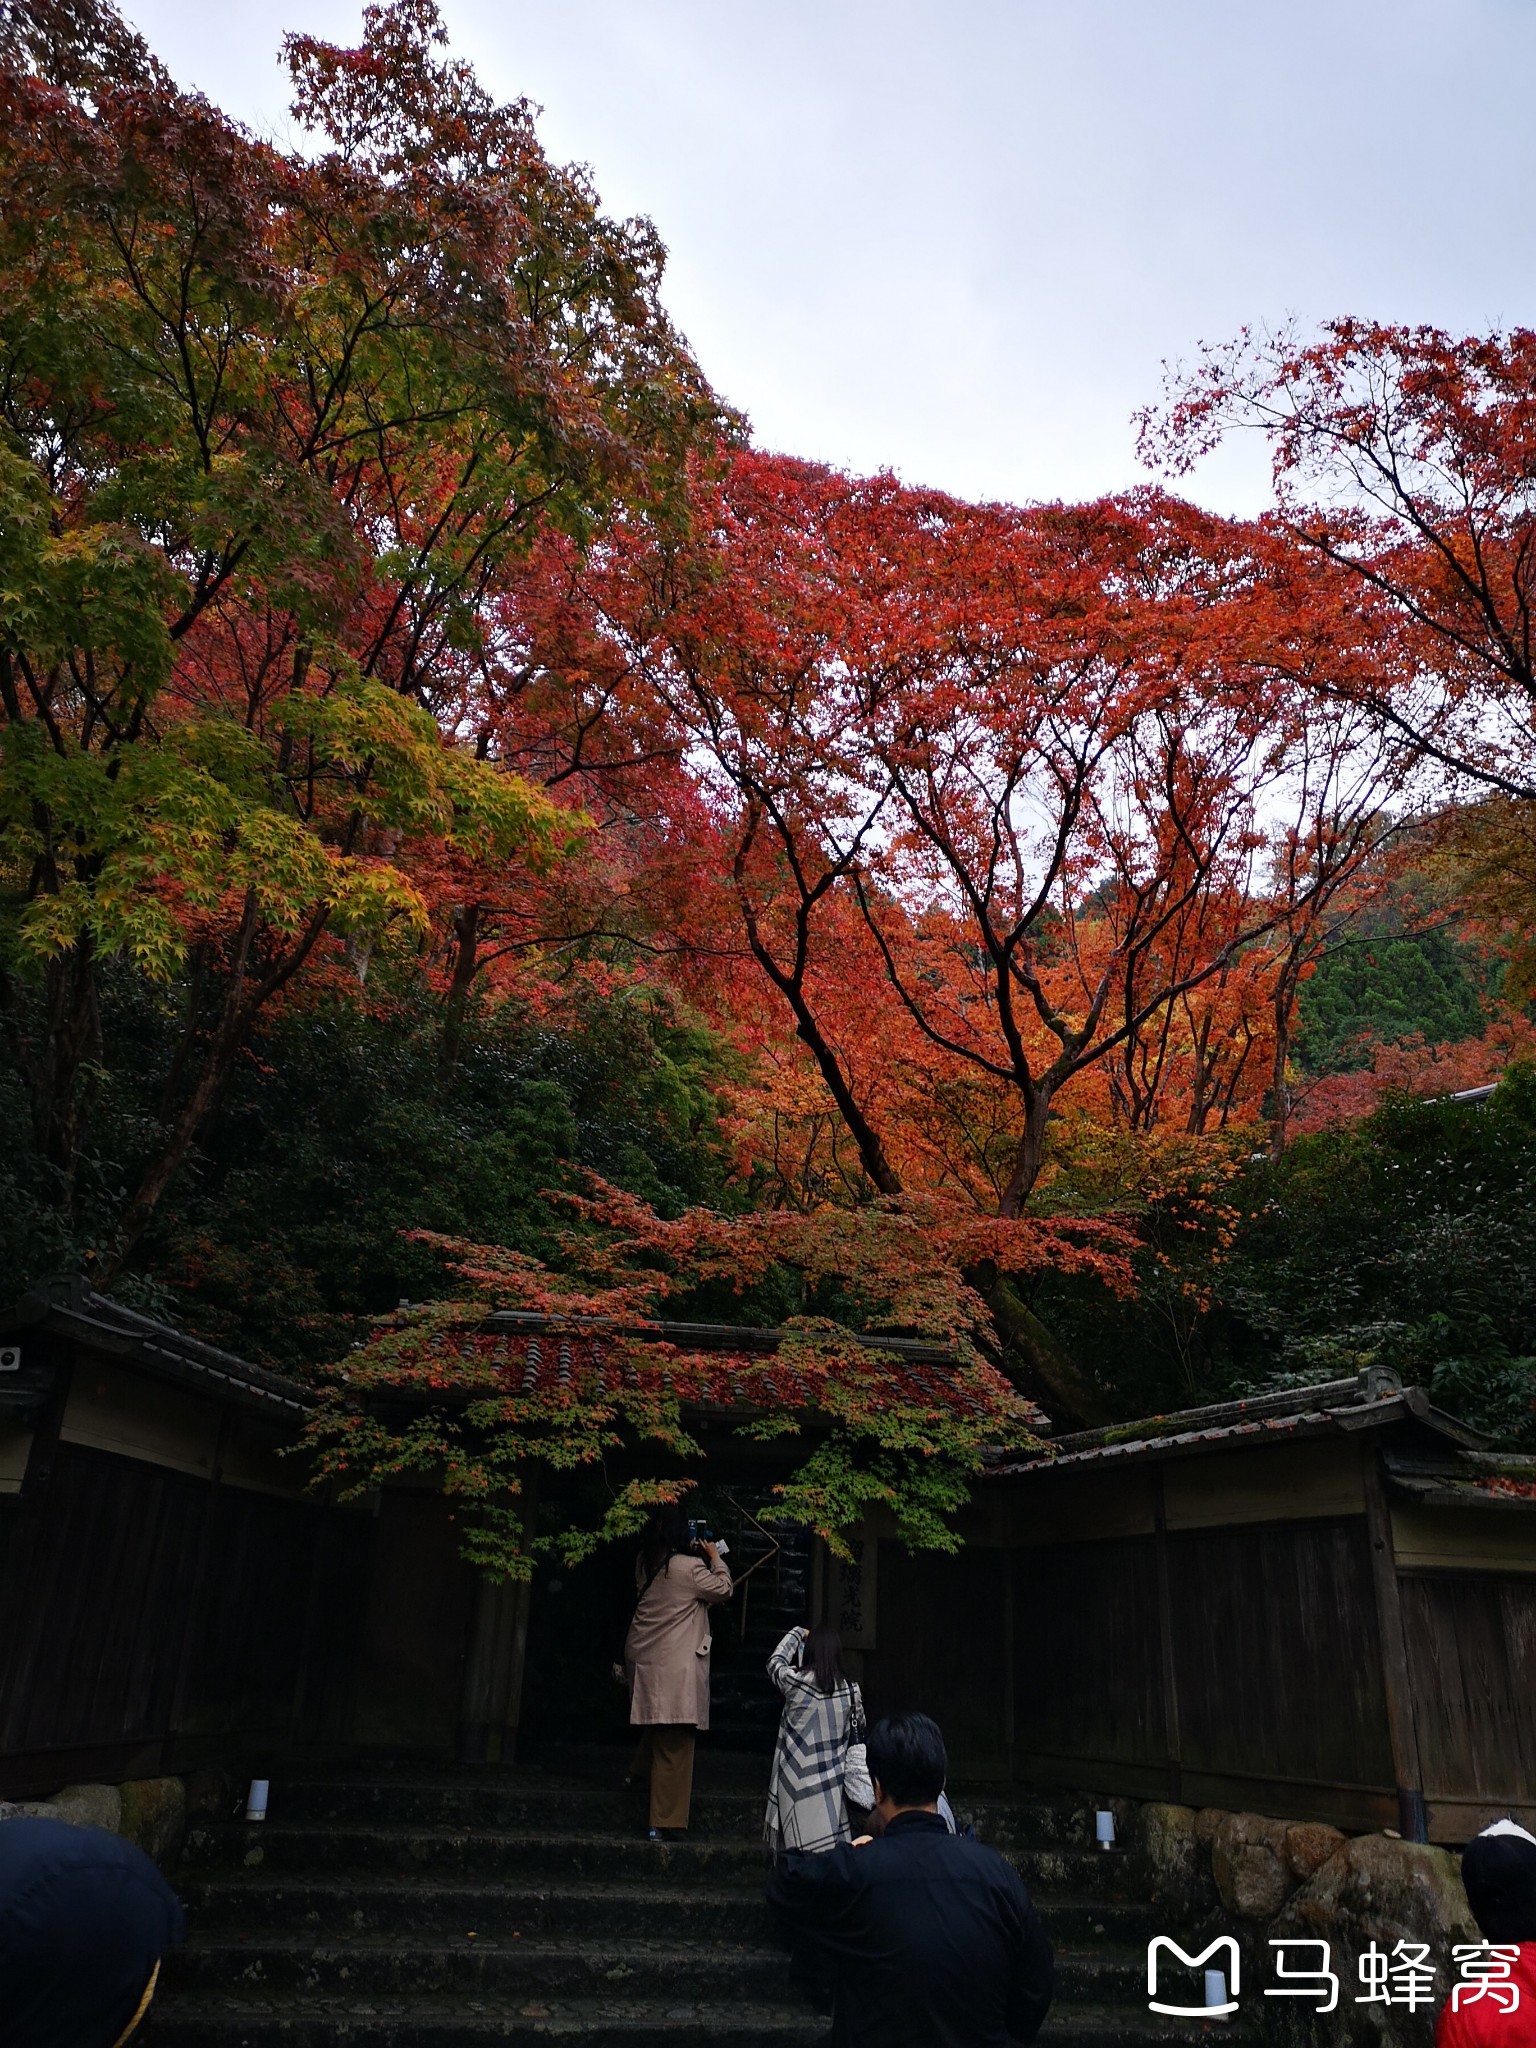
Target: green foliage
<point x="437" y="1395"/>
<point x="847" y="1474"/>
<point x="210" y="814"/>
<point x="481" y="1455"/>
<point x="273" y="427"/>
<point x="343" y="1131"/>
<point x="1380" y="990"/>
<point x="1403" y="1241"/>
<point x="349" y="1136"/>
<point x="1495" y="1393"/>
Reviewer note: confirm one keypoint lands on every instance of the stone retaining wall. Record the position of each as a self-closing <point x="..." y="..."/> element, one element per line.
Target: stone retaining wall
<point x="1266" y="1880"/>
<point x="150" y="1812"/>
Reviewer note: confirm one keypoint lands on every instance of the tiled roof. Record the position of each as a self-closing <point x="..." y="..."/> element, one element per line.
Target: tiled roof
<point x="1372" y="1401"/>
<point x="706" y="1366"/>
<point x="1446" y="1477"/>
<point x="72" y="1311"/>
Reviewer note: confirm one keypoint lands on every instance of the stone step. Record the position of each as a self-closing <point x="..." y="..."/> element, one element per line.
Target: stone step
<point x="667" y="1907"/>
<point x="212" y="2020"/>
<point x="320" y="2021"/>
<point x="279" y="1848"/>
<point x="470" y="1963"/>
<point x="430" y="1802"/>
<point x="366" y="1903"/>
<point x="413" y="1905"/>
<point x="449" y="1852"/>
<point x="504" y="1800"/>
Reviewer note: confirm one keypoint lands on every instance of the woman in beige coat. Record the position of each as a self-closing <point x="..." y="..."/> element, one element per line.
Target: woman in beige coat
<point x="666" y="1660"/>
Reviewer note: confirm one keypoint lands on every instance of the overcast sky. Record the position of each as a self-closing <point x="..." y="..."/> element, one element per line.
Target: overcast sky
<point x="960" y="238"/>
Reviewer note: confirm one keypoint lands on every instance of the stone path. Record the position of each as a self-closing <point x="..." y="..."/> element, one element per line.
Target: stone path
<point x="414" y="1908"/>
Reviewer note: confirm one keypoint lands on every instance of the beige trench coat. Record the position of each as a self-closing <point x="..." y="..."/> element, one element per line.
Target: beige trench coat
<point x="666" y="1653"/>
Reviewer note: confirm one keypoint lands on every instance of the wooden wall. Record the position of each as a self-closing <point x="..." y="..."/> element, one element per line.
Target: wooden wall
<point x="153" y="1617"/>
<point x="1220" y="1667"/>
<point x="1471" y="1643"/>
<point x="1211" y="1630"/>
<point x="1277" y="1671"/>
<point x="1088" y="1663"/>
<point x="939" y="1650"/>
<point x="414" y="1628"/>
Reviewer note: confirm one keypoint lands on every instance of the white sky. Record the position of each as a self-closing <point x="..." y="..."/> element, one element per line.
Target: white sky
<point x="959" y="238"/>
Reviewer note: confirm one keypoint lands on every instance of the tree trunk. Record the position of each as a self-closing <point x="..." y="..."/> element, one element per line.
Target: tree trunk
<point x="1072" y="1396"/>
<point x="1030" y="1155"/>
<point x="172" y="1155"/>
<point x="466" y="965"/>
<point x="71" y="1034"/>
<point x="1280" y="1091"/>
<point x="240" y="1012"/>
<point x="872" y="1153"/>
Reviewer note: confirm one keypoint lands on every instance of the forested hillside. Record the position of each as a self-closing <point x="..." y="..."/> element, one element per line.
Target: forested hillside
<point x="454" y="782"/>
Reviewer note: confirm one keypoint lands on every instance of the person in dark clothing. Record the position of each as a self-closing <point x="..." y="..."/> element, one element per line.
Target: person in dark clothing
<point x="929" y="1939"/>
<point x="85" y="1921"/>
<point x="1498" y="1869"/>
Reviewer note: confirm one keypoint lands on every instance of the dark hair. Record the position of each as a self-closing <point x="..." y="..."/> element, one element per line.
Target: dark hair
<point x="822" y="1651"/>
<point x="907" y="1759"/>
<point x="666" y="1537"/>
<point x="1499" y="1872"/>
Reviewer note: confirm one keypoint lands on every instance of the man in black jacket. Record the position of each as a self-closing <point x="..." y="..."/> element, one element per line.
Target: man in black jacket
<point x="85" y="1922"/>
<point x="929" y="1939"/>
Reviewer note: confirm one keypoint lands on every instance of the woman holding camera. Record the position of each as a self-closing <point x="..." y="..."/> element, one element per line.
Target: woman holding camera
<point x="666" y="1660"/>
<point x="818" y="1761"/>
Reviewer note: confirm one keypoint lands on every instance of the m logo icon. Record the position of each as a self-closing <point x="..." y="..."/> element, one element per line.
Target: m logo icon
<point x="1227" y="1942"/>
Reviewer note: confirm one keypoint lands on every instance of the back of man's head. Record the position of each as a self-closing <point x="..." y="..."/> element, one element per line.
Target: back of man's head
<point x="1499" y="1872"/>
<point x="85" y="1918"/>
<point x="907" y="1759"/>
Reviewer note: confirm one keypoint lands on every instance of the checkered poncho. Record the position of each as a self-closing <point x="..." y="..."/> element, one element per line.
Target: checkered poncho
<point x="806" y="1807"/>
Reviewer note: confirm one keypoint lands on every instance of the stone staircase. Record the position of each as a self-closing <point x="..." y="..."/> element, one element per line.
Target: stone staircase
<point x="420" y="1908"/>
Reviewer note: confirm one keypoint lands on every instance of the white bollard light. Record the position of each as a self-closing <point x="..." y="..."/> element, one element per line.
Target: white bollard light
<point x="1104" y="1828"/>
<point x="1216" y="1991"/>
<point x="256" y="1804"/>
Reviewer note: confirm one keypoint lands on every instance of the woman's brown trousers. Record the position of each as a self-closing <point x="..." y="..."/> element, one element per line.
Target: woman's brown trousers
<point x="666" y="1751"/>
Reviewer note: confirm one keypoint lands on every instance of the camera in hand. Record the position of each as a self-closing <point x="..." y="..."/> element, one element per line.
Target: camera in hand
<point x="700" y="1532"/>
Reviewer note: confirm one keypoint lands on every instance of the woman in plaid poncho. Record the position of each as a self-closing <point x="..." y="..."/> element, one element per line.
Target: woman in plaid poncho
<point x="823" y="1714"/>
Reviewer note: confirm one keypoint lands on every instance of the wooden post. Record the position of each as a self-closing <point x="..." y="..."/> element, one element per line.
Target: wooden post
<point x="517" y="1665"/>
<point x="195" y="1613"/>
<point x="19" y="1577"/>
<point x="1010" y="1653"/>
<point x="491" y="1704"/>
<point x="817" y="1580"/>
<point x="1402" y="1731"/>
<point x="1171" y="1735"/>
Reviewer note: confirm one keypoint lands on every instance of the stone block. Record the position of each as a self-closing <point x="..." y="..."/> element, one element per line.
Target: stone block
<point x="210" y="1795"/>
<point x="154" y="1817"/>
<point x="1207" y="1821"/>
<point x="1181" y="1873"/>
<point x="1373" y="1889"/>
<point x="85" y="1806"/>
<point x="1308" y="1845"/>
<point x="1167" y="1833"/>
<point x="1249" y="1866"/>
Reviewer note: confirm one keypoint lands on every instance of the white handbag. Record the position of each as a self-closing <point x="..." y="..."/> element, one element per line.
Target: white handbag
<point x="858" y="1787"/>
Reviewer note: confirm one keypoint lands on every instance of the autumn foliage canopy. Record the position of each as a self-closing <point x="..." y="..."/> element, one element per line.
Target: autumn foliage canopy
<point x="385" y="597"/>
